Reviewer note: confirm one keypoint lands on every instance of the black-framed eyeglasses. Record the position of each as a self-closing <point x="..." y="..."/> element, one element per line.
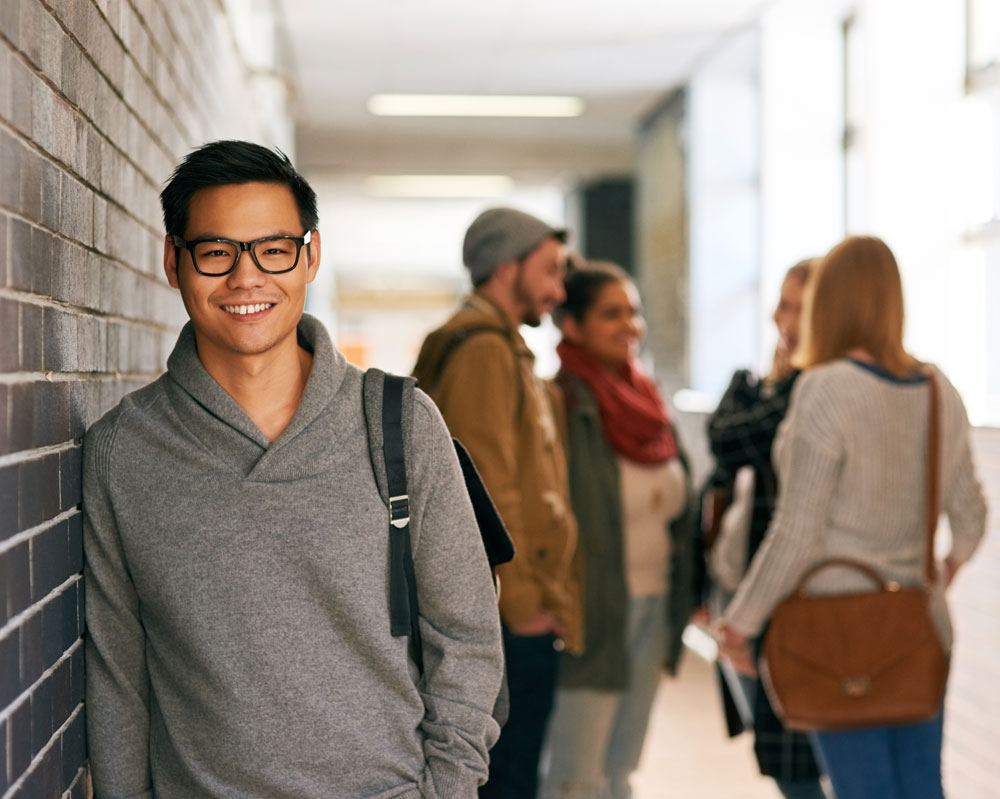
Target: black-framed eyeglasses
<point x="272" y="254"/>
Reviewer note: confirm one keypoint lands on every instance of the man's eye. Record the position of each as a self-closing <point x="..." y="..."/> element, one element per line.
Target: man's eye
<point x="216" y="254"/>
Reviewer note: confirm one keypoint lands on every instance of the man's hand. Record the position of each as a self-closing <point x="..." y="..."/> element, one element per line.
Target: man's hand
<point x="542" y="624"/>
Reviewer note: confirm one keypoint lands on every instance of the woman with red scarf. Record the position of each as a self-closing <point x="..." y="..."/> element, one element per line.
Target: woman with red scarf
<point x="631" y="497"/>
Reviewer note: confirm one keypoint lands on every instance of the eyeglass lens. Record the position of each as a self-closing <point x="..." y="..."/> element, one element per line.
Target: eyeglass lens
<point x="273" y="255"/>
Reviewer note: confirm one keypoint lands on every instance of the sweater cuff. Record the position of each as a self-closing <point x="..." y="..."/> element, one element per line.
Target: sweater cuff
<point x="444" y="780"/>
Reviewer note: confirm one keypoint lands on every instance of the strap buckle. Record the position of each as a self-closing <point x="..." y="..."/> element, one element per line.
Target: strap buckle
<point x="399" y="510"/>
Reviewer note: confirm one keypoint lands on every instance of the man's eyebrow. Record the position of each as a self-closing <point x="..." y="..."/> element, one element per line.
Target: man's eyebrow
<point x="213" y="235"/>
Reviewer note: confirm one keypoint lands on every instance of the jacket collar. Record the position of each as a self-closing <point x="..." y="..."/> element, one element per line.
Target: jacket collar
<point x="498" y="316"/>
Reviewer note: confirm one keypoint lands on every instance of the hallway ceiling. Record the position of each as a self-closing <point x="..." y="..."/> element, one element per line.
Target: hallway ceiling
<point x="620" y="56"/>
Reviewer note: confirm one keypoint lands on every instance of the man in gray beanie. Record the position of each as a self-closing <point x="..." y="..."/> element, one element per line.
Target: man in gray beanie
<point x="480" y="372"/>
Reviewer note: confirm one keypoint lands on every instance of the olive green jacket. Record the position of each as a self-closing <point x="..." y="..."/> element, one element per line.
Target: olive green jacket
<point x="595" y="494"/>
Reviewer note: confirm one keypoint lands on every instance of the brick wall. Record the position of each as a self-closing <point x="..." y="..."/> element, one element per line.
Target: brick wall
<point x="98" y="98"/>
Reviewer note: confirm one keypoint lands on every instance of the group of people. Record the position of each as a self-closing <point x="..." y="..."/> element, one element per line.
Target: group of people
<point x="237" y="555"/>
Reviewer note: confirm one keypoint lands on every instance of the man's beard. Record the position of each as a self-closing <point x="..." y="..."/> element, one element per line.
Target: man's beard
<point x="529" y="316"/>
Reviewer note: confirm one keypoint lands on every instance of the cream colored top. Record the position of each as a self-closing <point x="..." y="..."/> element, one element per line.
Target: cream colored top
<point x="651" y="497"/>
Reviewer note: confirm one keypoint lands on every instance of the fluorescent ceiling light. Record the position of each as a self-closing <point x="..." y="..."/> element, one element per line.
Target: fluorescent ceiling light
<point x="473" y="105"/>
<point x="438" y="185"/>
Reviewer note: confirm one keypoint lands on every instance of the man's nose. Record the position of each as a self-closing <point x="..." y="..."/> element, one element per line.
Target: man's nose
<point x="246" y="272"/>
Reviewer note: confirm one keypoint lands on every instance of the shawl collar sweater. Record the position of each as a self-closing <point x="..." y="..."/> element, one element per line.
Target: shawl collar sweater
<point x="237" y="600"/>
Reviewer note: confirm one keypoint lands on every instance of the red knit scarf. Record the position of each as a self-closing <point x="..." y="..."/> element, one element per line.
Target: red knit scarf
<point x="632" y="412"/>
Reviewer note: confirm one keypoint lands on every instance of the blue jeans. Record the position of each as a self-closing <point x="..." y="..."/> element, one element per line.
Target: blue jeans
<point x="532" y="665"/>
<point x="595" y="737"/>
<point x="901" y="762"/>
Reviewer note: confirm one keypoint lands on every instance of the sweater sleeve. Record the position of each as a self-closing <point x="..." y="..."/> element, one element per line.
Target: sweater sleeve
<point x="479" y="396"/>
<point x="741" y="431"/>
<point x="808" y="466"/>
<point x="460" y="625"/>
<point x="962" y="497"/>
<point x="117" y="689"/>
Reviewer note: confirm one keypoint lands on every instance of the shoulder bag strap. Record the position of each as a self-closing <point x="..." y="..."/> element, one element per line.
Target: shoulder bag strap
<point x="404" y="612"/>
<point x="933" y="473"/>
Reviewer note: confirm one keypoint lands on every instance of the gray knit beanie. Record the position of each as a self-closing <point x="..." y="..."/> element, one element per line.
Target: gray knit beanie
<point x="499" y="235"/>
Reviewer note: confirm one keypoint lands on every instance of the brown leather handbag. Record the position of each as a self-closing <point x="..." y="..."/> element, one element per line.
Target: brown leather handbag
<point x="851" y="661"/>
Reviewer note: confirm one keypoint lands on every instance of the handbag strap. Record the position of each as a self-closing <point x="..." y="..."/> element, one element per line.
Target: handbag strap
<point x="933" y="472"/>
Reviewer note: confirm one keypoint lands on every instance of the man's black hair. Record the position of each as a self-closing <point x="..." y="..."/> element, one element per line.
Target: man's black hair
<point x="228" y="163"/>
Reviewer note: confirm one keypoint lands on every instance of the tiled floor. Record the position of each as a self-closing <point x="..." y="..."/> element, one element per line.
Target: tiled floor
<point x="687" y="753"/>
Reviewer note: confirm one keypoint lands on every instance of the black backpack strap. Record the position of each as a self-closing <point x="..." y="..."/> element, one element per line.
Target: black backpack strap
<point x="404" y="610"/>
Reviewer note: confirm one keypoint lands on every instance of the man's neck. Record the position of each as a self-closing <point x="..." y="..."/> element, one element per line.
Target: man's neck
<point x="503" y="301"/>
<point x="267" y="386"/>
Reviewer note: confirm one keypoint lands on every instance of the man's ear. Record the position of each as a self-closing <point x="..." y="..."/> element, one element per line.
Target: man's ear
<point x="170" y="251"/>
<point x="314" y="254"/>
<point x="506" y="273"/>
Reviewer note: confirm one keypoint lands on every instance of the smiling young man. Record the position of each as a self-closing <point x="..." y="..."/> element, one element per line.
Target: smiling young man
<point x="480" y="372"/>
<point x="237" y="549"/>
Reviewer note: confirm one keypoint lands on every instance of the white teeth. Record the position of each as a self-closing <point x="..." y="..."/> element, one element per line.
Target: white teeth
<point x="243" y="310"/>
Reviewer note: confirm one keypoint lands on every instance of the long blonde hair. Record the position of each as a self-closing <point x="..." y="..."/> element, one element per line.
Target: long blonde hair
<point x="854" y="299"/>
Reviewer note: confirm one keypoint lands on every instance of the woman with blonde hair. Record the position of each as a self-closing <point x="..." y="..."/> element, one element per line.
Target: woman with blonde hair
<point x="851" y="456"/>
<point x="741" y="435"/>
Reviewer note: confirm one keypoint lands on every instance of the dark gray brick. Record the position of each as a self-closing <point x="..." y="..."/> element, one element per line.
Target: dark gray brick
<point x="4" y="255"/>
<point x="51" y="185"/>
<point x="70" y="279"/>
<point x="10" y="20"/>
<point x="32" y="654"/>
<point x="22" y="416"/>
<point x="9" y="316"/>
<point x="32" y="335"/>
<point x="4" y="783"/>
<point x="41" y="720"/>
<point x="60" y="345"/>
<point x="20" y="268"/>
<point x="15" y="566"/>
<point x="5" y="53"/>
<point x="74" y="750"/>
<point x="51" y="422"/>
<point x="4" y="423"/>
<point x="10" y="677"/>
<point x="78" y="211"/>
<point x="43" y="261"/>
<point x="19" y="740"/>
<point x="70" y="601"/>
<point x="21" y="82"/>
<point x="52" y="632"/>
<point x="38" y="493"/>
<point x="78" y="672"/>
<point x="8" y="501"/>
<point x="31" y="185"/>
<point x="70" y="473"/>
<point x="10" y="168"/>
<point x="49" y="563"/>
<point x="42" y="104"/>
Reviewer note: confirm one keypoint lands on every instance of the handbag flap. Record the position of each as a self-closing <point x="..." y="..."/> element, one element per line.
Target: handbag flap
<point x="851" y="634"/>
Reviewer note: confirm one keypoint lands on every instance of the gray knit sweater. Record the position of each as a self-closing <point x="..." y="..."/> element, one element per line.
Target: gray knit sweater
<point x="237" y="600"/>
<point x="851" y="460"/>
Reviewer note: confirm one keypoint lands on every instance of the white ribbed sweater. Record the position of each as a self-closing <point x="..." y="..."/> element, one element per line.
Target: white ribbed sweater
<point x="851" y="461"/>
